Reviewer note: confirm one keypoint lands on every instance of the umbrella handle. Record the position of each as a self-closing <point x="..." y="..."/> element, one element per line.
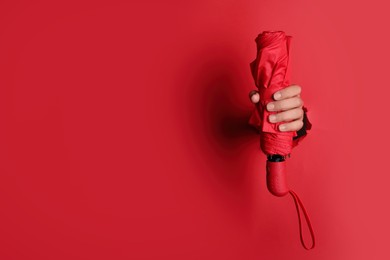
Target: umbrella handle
<point x="277" y="185"/>
<point x="276" y="176"/>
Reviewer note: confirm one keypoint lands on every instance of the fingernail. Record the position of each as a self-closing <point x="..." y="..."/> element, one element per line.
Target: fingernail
<point x="270" y="106"/>
<point x="282" y="127"/>
<point x="277" y="95"/>
<point x="255" y="98"/>
<point x="272" y="118"/>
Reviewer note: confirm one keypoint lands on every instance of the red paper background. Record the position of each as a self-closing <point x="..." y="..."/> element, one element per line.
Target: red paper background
<point x="124" y="130"/>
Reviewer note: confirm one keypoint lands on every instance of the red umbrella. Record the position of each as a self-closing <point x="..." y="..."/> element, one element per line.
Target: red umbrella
<point x="271" y="73"/>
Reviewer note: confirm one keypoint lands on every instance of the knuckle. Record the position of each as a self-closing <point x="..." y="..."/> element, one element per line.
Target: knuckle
<point x="280" y="117"/>
<point x="293" y="115"/>
<point x="287" y="115"/>
<point x="298" y="101"/>
<point x="286" y="92"/>
<point x="300" y="113"/>
<point x="281" y="105"/>
<point x="299" y="124"/>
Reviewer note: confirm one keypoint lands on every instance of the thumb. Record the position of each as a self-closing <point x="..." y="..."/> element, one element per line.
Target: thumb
<point x="254" y="96"/>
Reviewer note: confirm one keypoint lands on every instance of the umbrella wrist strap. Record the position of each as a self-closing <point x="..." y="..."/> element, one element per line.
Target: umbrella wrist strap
<point x="298" y="205"/>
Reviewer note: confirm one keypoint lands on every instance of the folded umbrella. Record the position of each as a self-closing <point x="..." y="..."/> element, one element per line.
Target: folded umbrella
<point x="271" y="73"/>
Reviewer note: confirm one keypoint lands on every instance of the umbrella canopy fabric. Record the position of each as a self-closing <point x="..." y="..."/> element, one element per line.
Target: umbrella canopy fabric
<point x="271" y="72"/>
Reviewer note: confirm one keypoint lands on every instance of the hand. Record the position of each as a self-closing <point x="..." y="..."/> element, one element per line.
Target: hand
<point x="288" y="105"/>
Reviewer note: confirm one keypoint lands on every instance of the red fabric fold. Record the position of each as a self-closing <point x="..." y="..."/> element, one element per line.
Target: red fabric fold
<point x="271" y="72"/>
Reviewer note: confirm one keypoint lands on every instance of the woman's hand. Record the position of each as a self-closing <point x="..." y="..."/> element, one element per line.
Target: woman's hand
<point x="288" y="105"/>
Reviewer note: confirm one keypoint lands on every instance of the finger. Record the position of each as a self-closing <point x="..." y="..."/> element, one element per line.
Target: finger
<point x="254" y="96"/>
<point x="291" y="126"/>
<point x="288" y="92"/>
<point x="287" y="116"/>
<point x="285" y="104"/>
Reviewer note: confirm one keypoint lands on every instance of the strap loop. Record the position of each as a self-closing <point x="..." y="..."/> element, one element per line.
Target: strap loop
<point x="298" y="203"/>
